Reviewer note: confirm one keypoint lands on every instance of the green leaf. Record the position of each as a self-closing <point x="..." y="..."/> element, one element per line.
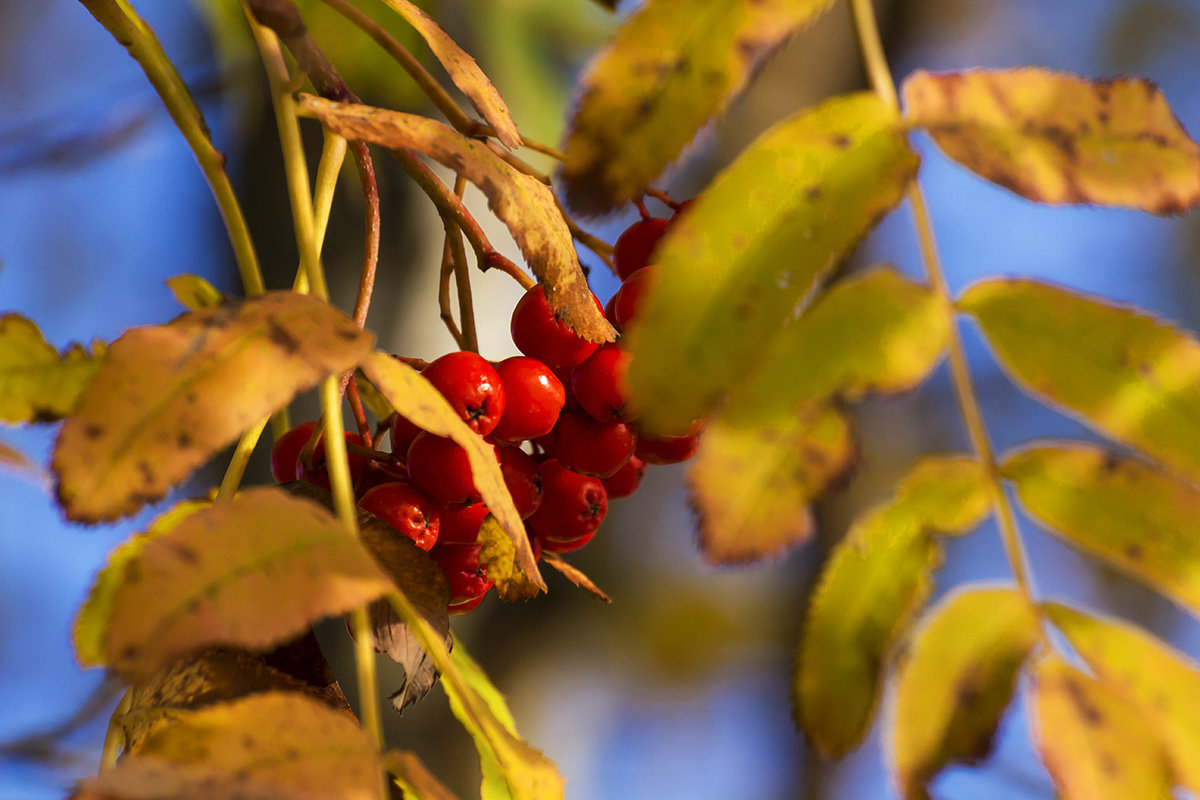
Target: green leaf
<point x="751" y="486"/>
<point x="956" y="681"/>
<point x="1163" y="683"/>
<point x="1122" y="510"/>
<point x="1123" y="372"/>
<point x="741" y="262"/>
<point x="1059" y="138"/>
<point x="876" y="332"/>
<point x="169" y="396"/>
<point x="37" y="384"/>
<point x="194" y="293"/>
<point x="871" y="587"/>
<point x="672" y="65"/>
<point x="1095" y="745"/>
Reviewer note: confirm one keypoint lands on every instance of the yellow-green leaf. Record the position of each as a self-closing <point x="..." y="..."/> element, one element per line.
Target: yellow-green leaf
<point x="499" y="552"/>
<point x="737" y="267"/>
<point x="575" y="575"/>
<point x="416" y="400"/>
<point x="1163" y="683"/>
<point x="876" y="332"/>
<point x="37" y="384"/>
<point x="751" y="486"/>
<point x="522" y="202"/>
<point x="1137" y="518"/>
<point x="249" y="572"/>
<point x="871" y="587"/>
<point x="672" y="65"/>
<point x="1095" y="745"/>
<point x="1123" y="372"/>
<point x="169" y="396"/>
<point x="956" y="681"/>
<point x="415" y="778"/>
<point x="462" y="69"/>
<point x="194" y="293"/>
<point x="1059" y="138"/>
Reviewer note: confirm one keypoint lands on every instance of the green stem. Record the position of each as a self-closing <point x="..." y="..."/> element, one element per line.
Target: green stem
<point x="364" y="660"/>
<point x="333" y="155"/>
<point x="237" y="465"/>
<point x="114" y="735"/>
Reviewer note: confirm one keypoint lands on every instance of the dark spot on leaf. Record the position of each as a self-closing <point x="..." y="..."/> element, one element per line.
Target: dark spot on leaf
<point x="281" y="338"/>
<point x="1134" y="552"/>
<point x="813" y="192"/>
<point x="1090" y="714"/>
<point x="145" y="471"/>
<point x="184" y="439"/>
<point x="92" y="431"/>
<point x="348" y="335"/>
<point x="841" y="141"/>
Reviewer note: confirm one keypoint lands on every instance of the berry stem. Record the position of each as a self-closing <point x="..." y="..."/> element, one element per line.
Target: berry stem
<point x="370" y="189"/>
<point x="360" y="414"/>
<point x="446" y="312"/>
<point x="662" y="197"/>
<point x="241" y="457"/>
<point x="462" y="277"/>
<point x="333" y="154"/>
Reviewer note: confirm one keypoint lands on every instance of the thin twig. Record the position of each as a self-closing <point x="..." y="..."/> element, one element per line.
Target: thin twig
<point x="661" y="196"/>
<point x="447" y="313"/>
<point x="360" y="414"/>
<point x="370" y="188"/>
<point x="462" y="276"/>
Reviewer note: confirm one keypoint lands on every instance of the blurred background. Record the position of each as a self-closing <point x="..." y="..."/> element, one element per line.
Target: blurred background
<point x="680" y="687"/>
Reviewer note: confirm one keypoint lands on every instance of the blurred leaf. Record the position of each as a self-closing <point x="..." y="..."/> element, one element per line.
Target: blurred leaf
<point x="956" y="681"/>
<point x="169" y="396"/>
<point x="415" y="778"/>
<point x="194" y="293"/>
<point x="672" y="65"/>
<point x="1134" y="517"/>
<point x="737" y="267"/>
<point x="466" y="74"/>
<point x="1163" y="683"/>
<point x="424" y="406"/>
<point x="751" y="486"/>
<point x="1095" y="746"/>
<point x="873" y="584"/>
<point x="1059" y="138"/>
<point x="251" y="572"/>
<point x="522" y="202"/>
<point x="37" y="384"/>
<point x="875" y="332"/>
<point x="499" y="552"/>
<point x="374" y="402"/>
<point x="575" y="575"/>
<point x="1125" y="373"/>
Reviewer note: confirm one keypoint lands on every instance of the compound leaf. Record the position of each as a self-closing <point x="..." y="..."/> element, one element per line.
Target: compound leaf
<point x="37" y="383"/>
<point x="741" y="262"/>
<point x="672" y="65"/>
<point x="1059" y="138"/>
<point x="956" y="681"/>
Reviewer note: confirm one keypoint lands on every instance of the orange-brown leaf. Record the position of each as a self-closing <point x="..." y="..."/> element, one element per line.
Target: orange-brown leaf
<point x="575" y="575"/>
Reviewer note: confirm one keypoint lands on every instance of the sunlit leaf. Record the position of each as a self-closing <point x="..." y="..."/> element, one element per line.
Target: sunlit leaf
<point x="1095" y="745"/>
<point x="462" y="69"/>
<point x="1163" y="683"/>
<point x="1137" y="518"/>
<point x="871" y="587"/>
<point x="751" y="486"/>
<point x="522" y="202"/>
<point x="1059" y="138"/>
<point x="672" y="65"/>
<point x="499" y="552"/>
<point x="193" y="292"/>
<point x="415" y="778"/>
<point x="169" y="396"/>
<point x="956" y="681"/>
<point x="37" y="383"/>
<point x="575" y="575"/>
<point x="1124" y="372"/>
<point x="153" y="778"/>
<point x="424" y="406"/>
<point x="736" y="268"/>
<point x="876" y="332"/>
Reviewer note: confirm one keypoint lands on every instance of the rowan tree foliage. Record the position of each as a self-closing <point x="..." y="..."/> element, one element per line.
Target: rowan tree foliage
<point x="745" y="328"/>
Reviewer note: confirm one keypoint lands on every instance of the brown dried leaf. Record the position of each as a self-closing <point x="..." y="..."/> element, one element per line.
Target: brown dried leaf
<point x="575" y="575"/>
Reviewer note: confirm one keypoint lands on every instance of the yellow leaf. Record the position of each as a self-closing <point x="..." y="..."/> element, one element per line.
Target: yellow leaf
<point x="737" y="267"/>
<point x="462" y="69"/>
<point x="1060" y="138"/>
<point x="249" y="572"/>
<point x="37" y="384"/>
<point x="671" y="66"/>
<point x="1123" y="372"/>
<point x="151" y="778"/>
<point x="950" y="495"/>
<point x="1163" y="683"/>
<point x="194" y="293"/>
<point x="751" y="486"/>
<point x="169" y="396"/>
<point x="417" y="401"/>
<point x="1094" y="745"/>
<point x="522" y="202"/>
<point x="1122" y="510"/>
<point x="415" y="778"/>
<point x="956" y="682"/>
<point x="575" y="575"/>
<point x="499" y="552"/>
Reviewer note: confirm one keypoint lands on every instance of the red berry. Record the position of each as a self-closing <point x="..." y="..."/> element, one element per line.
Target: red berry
<point x="465" y="605"/>
<point x="318" y="475"/>
<point x="461" y="525"/>
<point x="521" y="477"/>
<point x="624" y="481"/>
<point x="599" y="384"/>
<point x="569" y="546"/>
<point x="471" y="386"/>
<point x="634" y="247"/>
<point x="628" y="299"/>
<point x="586" y="445"/>
<point x="535" y="545"/>
<point x="667" y="449"/>
<point x="441" y="469"/>
<point x="405" y="509"/>
<point x="403" y="433"/>
<point x="538" y="333"/>
<point x="573" y="505"/>
<point x="468" y="578"/>
<point x="285" y="455"/>
<point x="534" y="397"/>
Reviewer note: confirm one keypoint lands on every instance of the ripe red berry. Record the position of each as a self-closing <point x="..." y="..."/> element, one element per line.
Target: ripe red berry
<point x="468" y="578"/>
<point x="380" y="472"/>
<point x="285" y="457"/>
<point x="471" y="386"/>
<point x="628" y="299"/>
<point x="441" y="469"/>
<point x="403" y="433"/>
<point x="521" y="477"/>
<point x="538" y="333"/>
<point x="534" y="397"/>
<point x="585" y="445"/>
<point x="634" y="247"/>
<point x="667" y="450"/>
<point x="625" y="481"/>
<point x="461" y="525"/>
<point x="465" y="605"/>
<point x="569" y="546"/>
<point x="599" y="384"/>
<point x="405" y="509"/>
<point x="573" y="505"/>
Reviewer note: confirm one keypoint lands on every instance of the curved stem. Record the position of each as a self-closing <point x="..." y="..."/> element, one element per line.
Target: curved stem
<point x="114" y="736"/>
<point x="241" y="458"/>
<point x="462" y="277"/>
<point x="370" y="190"/>
<point x="333" y="155"/>
<point x="447" y="314"/>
